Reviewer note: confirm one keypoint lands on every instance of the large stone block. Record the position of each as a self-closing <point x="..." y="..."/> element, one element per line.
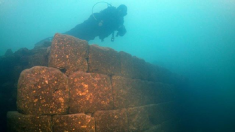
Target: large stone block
<point x="104" y="60"/>
<point x="130" y="92"/>
<point x="159" y="113"/>
<point x="160" y="74"/>
<point x="133" y="92"/>
<point x="90" y="92"/>
<point x="73" y="123"/>
<point x="156" y="128"/>
<point x="39" y="57"/>
<point x="42" y="90"/>
<point x="150" y="118"/>
<point x="138" y="119"/>
<point x="155" y="114"/>
<point x="28" y="123"/>
<point x="133" y="67"/>
<point x="68" y="54"/>
<point x="111" y="121"/>
<point x="153" y="73"/>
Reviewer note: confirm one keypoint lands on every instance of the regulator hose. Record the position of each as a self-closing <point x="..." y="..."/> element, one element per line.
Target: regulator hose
<point x="108" y="4"/>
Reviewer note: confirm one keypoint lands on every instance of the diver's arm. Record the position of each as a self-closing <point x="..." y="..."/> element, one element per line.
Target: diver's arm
<point x="121" y="31"/>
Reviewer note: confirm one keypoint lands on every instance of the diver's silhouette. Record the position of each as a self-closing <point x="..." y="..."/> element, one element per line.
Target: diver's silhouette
<point x="101" y="24"/>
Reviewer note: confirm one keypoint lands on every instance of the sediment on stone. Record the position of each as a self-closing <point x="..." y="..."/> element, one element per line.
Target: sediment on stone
<point x="42" y="90"/>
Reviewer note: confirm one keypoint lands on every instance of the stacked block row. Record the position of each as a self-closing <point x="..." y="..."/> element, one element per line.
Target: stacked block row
<point x="70" y="54"/>
<point x="47" y="91"/>
<point x="144" y="118"/>
<point x="18" y="122"/>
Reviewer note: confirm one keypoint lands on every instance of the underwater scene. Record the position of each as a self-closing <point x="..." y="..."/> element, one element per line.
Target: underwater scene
<point x="117" y="66"/>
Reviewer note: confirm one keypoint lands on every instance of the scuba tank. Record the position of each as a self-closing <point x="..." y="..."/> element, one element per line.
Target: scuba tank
<point x="100" y="23"/>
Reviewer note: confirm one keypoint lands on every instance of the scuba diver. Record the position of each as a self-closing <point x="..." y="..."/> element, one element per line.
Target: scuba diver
<point x="101" y="24"/>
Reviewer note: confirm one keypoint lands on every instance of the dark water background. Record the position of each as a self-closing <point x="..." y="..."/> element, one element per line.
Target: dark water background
<point x="194" y="38"/>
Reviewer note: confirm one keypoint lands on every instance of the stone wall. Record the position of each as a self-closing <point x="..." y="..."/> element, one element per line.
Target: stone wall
<point x="87" y="88"/>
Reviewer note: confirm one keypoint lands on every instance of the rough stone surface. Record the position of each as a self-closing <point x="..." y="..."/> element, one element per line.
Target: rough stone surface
<point x="42" y="90"/>
<point x="158" y="113"/>
<point x="138" y="119"/>
<point x="155" y="114"/>
<point x="104" y="60"/>
<point x="90" y="92"/>
<point x="28" y="123"/>
<point x="111" y="121"/>
<point x="156" y="128"/>
<point x="133" y="92"/>
<point x="73" y="123"/>
<point x="39" y="57"/>
<point x="129" y="92"/>
<point x="11" y="65"/>
<point x="160" y="74"/>
<point x="152" y="117"/>
<point x="68" y="54"/>
<point x="133" y="67"/>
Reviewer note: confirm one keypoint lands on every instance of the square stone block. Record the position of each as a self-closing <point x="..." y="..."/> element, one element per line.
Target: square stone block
<point x="69" y="54"/>
<point x="162" y="112"/>
<point x="133" y="92"/>
<point x="104" y="60"/>
<point x="160" y="74"/>
<point x="42" y="90"/>
<point x="128" y="92"/>
<point x="138" y="119"/>
<point x="133" y="67"/>
<point x="39" y="57"/>
<point x="152" y="117"/>
<point x="90" y="92"/>
<point x="156" y="128"/>
<point x="17" y="122"/>
<point x="111" y="121"/>
<point x="73" y="123"/>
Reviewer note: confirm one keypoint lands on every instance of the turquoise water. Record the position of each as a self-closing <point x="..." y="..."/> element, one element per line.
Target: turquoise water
<point x="194" y="38"/>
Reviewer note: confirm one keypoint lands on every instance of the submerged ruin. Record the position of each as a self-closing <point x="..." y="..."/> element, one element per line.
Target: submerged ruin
<point x="73" y="86"/>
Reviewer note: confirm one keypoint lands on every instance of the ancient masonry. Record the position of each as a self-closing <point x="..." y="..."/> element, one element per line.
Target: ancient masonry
<point x="87" y="88"/>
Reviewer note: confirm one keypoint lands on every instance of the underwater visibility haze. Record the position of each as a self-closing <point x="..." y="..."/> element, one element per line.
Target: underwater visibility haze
<point x="193" y="38"/>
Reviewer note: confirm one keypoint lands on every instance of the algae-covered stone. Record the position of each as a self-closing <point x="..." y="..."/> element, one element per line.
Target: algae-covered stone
<point x="90" y="92"/>
<point x="104" y="60"/>
<point x="73" y="123"/>
<point x="68" y="54"/>
<point x="28" y="123"/>
<point x="134" y="92"/>
<point x="42" y="90"/>
<point x="133" y="67"/>
<point x="138" y="119"/>
<point x="111" y="121"/>
<point x="129" y="92"/>
<point x="39" y="57"/>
